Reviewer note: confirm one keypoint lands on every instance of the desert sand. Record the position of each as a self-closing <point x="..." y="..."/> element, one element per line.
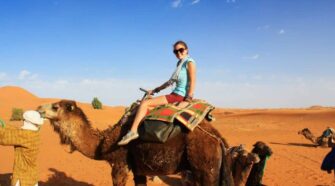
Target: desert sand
<point x="294" y="162"/>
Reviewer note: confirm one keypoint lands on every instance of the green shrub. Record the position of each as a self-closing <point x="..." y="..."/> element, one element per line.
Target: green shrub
<point x="17" y="114"/>
<point x="2" y="123"/>
<point x="96" y="104"/>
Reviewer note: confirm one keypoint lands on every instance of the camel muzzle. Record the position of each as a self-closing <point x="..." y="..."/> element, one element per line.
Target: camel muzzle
<point x="42" y="109"/>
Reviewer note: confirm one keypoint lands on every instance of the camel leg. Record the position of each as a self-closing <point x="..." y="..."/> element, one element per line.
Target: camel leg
<point x="205" y="177"/>
<point x="119" y="174"/>
<point x="204" y="156"/>
<point x="140" y="180"/>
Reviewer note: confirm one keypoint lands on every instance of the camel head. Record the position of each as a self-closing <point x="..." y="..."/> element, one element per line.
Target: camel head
<point x="66" y="119"/>
<point x="241" y="162"/>
<point x="305" y="132"/>
<point x="262" y="149"/>
<point x="308" y="135"/>
<point x="257" y="172"/>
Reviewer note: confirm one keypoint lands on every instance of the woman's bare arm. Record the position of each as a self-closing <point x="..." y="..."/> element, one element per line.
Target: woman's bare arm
<point x="191" y="70"/>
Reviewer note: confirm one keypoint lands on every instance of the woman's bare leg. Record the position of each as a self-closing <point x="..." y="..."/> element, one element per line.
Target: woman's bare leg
<point x="160" y="100"/>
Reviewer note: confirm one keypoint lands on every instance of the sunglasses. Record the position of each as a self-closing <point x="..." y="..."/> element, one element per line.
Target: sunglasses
<point x="181" y="50"/>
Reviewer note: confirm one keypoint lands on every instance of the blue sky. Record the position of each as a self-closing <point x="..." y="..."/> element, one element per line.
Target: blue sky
<point x="249" y="54"/>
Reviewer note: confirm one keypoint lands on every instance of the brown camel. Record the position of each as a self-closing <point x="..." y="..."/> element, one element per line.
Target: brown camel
<point x="317" y="141"/>
<point x="197" y="151"/>
<point x="241" y="162"/>
<point x="256" y="175"/>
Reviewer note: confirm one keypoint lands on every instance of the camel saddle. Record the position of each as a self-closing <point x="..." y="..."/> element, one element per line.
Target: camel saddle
<point x="190" y="114"/>
<point x="166" y="121"/>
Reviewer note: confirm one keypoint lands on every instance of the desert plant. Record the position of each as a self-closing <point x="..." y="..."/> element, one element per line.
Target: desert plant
<point x="96" y="104"/>
<point x="17" y="114"/>
<point x="2" y="123"/>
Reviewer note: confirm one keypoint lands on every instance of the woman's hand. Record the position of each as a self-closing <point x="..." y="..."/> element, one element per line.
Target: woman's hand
<point x="188" y="98"/>
<point x="151" y="92"/>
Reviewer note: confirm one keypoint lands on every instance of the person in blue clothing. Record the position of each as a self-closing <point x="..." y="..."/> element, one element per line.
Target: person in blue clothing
<point x="328" y="163"/>
<point x="184" y="78"/>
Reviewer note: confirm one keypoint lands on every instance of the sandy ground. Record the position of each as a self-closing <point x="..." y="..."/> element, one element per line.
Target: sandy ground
<point x="294" y="162"/>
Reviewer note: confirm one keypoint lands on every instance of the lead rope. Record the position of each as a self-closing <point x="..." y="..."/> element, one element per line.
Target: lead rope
<point x="224" y="150"/>
<point x="210" y="134"/>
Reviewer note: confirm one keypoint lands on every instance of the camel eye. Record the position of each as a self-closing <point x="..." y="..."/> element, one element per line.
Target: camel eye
<point x="54" y="107"/>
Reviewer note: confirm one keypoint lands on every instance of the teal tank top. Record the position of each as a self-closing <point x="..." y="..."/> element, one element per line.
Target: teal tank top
<point x="182" y="85"/>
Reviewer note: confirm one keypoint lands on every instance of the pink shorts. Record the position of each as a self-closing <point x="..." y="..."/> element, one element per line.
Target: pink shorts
<point x="173" y="97"/>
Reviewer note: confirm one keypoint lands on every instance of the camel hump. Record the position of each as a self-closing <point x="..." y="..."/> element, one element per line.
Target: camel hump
<point x="167" y="121"/>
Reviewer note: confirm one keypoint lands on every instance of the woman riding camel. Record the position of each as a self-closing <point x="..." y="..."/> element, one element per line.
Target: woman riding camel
<point x="184" y="77"/>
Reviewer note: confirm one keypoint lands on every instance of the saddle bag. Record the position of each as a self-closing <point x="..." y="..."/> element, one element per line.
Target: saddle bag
<point x="158" y="131"/>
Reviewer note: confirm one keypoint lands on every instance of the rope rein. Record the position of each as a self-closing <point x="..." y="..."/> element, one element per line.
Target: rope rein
<point x="212" y="135"/>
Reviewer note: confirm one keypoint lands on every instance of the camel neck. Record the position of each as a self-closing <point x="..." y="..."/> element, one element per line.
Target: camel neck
<point x="86" y="140"/>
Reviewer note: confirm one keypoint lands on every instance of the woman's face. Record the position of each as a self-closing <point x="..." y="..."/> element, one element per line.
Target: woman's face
<point x="180" y="51"/>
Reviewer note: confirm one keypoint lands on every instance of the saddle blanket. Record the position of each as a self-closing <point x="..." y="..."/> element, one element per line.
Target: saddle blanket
<point x="190" y="114"/>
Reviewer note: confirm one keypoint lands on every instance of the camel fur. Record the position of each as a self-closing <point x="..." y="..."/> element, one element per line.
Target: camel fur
<point x="197" y="151"/>
<point x="241" y="162"/>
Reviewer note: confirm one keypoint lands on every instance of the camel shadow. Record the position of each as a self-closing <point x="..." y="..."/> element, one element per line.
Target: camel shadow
<point x="5" y="179"/>
<point x="60" y="178"/>
<point x="295" y="144"/>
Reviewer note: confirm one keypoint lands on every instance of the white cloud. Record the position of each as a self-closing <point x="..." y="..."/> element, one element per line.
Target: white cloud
<point x="256" y="56"/>
<point x="109" y="90"/>
<point x="250" y="91"/>
<point x="195" y="2"/>
<point x="33" y="76"/>
<point x="24" y="75"/>
<point x="281" y="32"/>
<point x="3" y="76"/>
<point x="280" y="93"/>
<point x="176" y="3"/>
<point x="264" y="27"/>
<point x="253" y="57"/>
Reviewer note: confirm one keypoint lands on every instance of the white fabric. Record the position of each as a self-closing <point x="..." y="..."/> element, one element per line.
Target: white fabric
<point x="175" y="74"/>
<point x="29" y="126"/>
<point x="18" y="183"/>
<point x="33" y="117"/>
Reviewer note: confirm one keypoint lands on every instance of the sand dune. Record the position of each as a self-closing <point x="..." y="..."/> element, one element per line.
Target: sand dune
<point x="294" y="162"/>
